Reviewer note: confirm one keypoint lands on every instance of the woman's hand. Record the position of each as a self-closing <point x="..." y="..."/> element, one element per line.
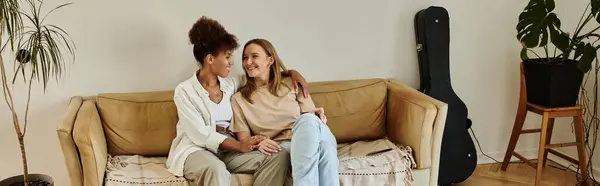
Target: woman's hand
<point x="268" y="146"/>
<point x="298" y="79"/>
<point x="321" y="113"/>
<point x="250" y="143"/>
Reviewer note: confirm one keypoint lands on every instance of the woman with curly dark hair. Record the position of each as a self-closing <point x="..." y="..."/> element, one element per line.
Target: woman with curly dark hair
<point x="205" y="151"/>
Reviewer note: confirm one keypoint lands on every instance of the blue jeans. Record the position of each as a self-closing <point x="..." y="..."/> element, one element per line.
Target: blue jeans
<point x="313" y="151"/>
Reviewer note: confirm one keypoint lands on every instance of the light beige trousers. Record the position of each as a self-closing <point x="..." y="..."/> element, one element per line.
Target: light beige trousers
<point x="204" y="168"/>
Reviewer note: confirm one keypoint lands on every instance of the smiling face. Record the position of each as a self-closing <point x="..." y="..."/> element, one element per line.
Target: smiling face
<point x="262" y="66"/>
<point x="257" y="62"/>
<point x="220" y="64"/>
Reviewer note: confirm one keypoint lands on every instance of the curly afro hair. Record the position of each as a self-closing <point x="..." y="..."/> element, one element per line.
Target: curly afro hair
<point x="209" y="37"/>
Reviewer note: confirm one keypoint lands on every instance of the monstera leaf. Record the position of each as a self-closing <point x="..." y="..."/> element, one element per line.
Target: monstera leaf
<point x="585" y="54"/>
<point x="596" y="9"/>
<point x="562" y="41"/>
<point x="537" y="23"/>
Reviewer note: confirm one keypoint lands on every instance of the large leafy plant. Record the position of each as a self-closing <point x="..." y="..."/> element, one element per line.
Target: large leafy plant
<point x="39" y="51"/>
<point x="539" y="26"/>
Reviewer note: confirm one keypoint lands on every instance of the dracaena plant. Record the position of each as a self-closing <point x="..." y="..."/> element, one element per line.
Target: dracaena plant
<point x="539" y="26"/>
<point x="41" y="52"/>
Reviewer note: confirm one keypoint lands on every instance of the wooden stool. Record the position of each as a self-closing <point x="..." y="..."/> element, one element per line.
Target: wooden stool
<point x="548" y="115"/>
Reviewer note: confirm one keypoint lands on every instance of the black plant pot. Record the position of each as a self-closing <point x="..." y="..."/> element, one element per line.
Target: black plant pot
<point x="34" y="180"/>
<point x="552" y="85"/>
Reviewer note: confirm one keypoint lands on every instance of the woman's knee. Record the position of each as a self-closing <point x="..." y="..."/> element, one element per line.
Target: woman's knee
<point x="217" y="168"/>
<point x="328" y="137"/>
<point x="282" y="157"/>
<point x="307" y="120"/>
<point x="329" y="146"/>
<point x="211" y="170"/>
<point x="329" y="143"/>
<point x="279" y="161"/>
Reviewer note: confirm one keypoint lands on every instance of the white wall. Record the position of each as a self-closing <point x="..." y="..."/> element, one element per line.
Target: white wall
<point x="144" y="45"/>
<point x="564" y="127"/>
<point x="485" y="74"/>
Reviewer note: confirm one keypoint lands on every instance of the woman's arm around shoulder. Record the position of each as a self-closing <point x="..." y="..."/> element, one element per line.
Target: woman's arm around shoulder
<point x="297" y="79"/>
<point x="306" y="103"/>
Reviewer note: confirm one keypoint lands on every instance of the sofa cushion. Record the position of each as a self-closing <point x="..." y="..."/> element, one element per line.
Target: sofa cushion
<point x="355" y="109"/>
<point x="139" y="170"/>
<point x="377" y="162"/>
<point x="144" y="123"/>
<point x="126" y="170"/>
<point x="365" y="162"/>
<point x="138" y="123"/>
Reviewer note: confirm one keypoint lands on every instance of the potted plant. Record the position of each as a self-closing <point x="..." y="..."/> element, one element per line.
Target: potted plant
<point x="39" y="51"/>
<point x="555" y="78"/>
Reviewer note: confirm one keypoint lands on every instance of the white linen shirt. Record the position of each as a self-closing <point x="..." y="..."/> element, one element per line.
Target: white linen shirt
<point x="196" y="128"/>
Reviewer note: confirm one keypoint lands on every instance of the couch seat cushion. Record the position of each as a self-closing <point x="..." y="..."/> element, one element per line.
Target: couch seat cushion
<point x="139" y="170"/>
<point x="126" y="170"/>
<point x="375" y="162"/>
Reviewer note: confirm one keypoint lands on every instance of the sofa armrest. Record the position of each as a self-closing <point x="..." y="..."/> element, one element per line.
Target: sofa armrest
<point x="416" y="120"/>
<point x="67" y="145"/>
<point x="91" y="143"/>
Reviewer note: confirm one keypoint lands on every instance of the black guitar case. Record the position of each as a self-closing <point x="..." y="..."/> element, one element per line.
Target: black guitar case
<point x="458" y="157"/>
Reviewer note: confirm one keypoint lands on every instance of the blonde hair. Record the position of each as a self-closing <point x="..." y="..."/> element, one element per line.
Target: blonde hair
<point x="274" y="71"/>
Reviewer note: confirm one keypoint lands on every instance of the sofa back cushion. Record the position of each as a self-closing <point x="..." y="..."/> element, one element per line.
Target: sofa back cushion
<point x="355" y="109"/>
<point x="145" y="123"/>
<point x="138" y="123"/>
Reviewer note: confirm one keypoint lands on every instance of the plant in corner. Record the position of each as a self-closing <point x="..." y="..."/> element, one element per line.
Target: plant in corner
<point x="39" y="51"/>
<point x="555" y="78"/>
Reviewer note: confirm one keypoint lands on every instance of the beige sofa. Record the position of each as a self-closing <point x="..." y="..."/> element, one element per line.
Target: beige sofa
<point x="110" y="138"/>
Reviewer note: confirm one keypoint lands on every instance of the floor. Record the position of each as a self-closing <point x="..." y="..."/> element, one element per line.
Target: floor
<point x="520" y="174"/>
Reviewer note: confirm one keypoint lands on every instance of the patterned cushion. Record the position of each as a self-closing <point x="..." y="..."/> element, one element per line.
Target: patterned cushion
<point x="139" y="170"/>
<point x="377" y="162"/>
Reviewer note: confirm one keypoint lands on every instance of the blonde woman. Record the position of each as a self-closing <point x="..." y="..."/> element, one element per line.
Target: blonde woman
<point x="269" y="106"/>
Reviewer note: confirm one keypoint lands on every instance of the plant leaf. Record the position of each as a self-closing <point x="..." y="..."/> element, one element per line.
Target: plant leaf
<point x="550" y="6"/>
<point x="596" y="9"/>
<point x="46" y="45"/>
<point x="11" y="20"/>
<point x="589" y="54"/>
<point x="561" y="41"/>
<point x="524" y="54"/>
<point x="54" y="9"/>
<point x="579" y="50"/>
<point x="536" y="22"/>
<point x="595" y="6"/>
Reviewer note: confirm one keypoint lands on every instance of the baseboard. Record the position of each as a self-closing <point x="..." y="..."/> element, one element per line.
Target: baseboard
<point x="499" y="156"/>
<point x="530" y="153"/>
